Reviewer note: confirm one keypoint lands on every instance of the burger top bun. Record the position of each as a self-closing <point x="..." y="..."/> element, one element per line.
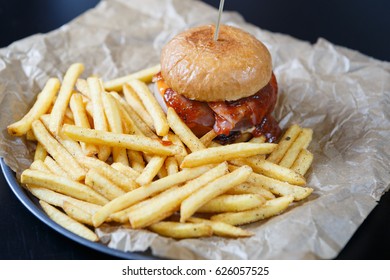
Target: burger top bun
<point x="237" y="65"/>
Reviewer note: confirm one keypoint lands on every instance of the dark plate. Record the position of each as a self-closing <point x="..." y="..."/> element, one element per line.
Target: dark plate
<point x="32" y="204"/>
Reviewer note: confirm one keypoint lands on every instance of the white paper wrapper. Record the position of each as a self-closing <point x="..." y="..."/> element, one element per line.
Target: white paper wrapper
<point x="341" y="94"/>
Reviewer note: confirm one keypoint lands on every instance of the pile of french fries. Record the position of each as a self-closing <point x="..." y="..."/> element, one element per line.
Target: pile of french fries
<point x="108" y="153"/>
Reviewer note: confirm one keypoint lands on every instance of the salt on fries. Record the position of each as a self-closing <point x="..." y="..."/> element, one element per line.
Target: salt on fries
<point x="104" y="157"/>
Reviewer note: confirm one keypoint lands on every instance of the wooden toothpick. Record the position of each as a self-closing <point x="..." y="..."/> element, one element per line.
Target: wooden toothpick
<point x="216" y="33"/>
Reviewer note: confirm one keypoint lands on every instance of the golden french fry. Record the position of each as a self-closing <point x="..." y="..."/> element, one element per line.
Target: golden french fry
<point x="30" y="135"/>
<point x="115" y="123"/>
<point x="133" y="142"/>
<point x="130" y="116"/>
<point x="222" y="229"/>
<point x="152" y="106"/>
<point x="62" y="101"/>
<point x="62" y="185"/>
<point x="302" y="142"/>
<point x="183" y="131"/>
<point x="143" y="192"/>
<point x="40" y="166"/>
<point x="125" y="170"/>
<point x="102" y="185"/>
<point x="270" y="208"/>
<point x="166" y="203"/>
<point x="68" y="223"/>
<point x="171" y="165"/>
<point x="99" y="117"/>
<point x="73" y="147"/>
<point x="82" y="86"/>
<point x="40" y="107"/>
<point x="284" y="144"/>
<point x="144" y="75"/>
<point x="219" y="186"/>
<point x="57" y="199"/>
<point x="58" y="152"/>
<point x="303" y="162"/>
<point x="280" y="188"/>
<point x="54" y="167"/>
<point x="40" y="152"/>
<point x="176" y="140"/>
<point x="81" y="119"/>
<point x="136" y="160"/>
<point x="151" y="170"/>
<point x="232" y="203"/>
<point x="181" y="230"/>
<point x="121" y="180"/>
<point x="77" y="213"/>
<point x="135" y="102"/>
<point x="258" y="140"/>
<point x="272" y="170"/>
<point x="248" y="188"/>
<point x="229" y="152"/>
<point x="208" y="138"/>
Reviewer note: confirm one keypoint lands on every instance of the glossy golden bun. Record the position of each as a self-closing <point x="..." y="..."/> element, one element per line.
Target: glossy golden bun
<point x="236" y="66"/>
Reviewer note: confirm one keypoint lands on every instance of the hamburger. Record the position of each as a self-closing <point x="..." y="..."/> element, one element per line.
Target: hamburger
<point x="226" y="85"/>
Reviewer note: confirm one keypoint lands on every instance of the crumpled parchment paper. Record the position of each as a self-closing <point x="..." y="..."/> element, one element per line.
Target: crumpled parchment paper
<point x="342" y="95"/>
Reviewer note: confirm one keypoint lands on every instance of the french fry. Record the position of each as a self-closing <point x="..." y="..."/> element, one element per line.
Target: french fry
<point x="73" y="147"/>
<point x="68" y="223"/>
<point x="167" y="202"/>
<point x="62" y="185"/>
<point x="191" y="204"/>
<point x="176" y="140"/>
<point x="181" y="230"/>
<point x="222" y="229"/>
<point x="54" y="167"/>
<point x="125" y="170"/>
<point x="183" y="131"/>
<point x="284" y="144"/>
<point x="232" y="203"/>
<point x="136" y="160"/>
<point x="118" y="178"/>
<point x="219" y="154"/>
<point x="115" y="123"/>
<point x="208" y="138"/>
<point x="272" y="170"/>
<point x="144" y="75"/>
<point x="30" y="135"/>
<point x="99" y="117"/>
<point x="151" y="170"/>
<point x="152" y="106"/>
<point x="303" y="162"/>
<point x="77" y="213"/>
<point x="40" y="166"/>
<point x="143" y="192"/>
<point x="82" y="86"/>
<point x="171" y="165"/>
<point x="57" y="199"/>
<point x="280" y="188"/>
<point x="133" y="142"/>
<point x="302" y="142"/>
<point x="248" y="188"/>
<point x="40" y="107"/>
<point x="62" y="101"/>
<point x="58" y="152"/>
<point x="40" y="152"/>
<point x="258" y="140"/>
<point x="81" y="119"/>
<point x="130" y="115"/>
<point x="102" y="185"/>
<point x="270" y="208"/>
<point x="135" y="102"/>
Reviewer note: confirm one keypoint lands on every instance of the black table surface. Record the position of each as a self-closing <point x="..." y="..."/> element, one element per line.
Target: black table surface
<point x="359" y="25"/>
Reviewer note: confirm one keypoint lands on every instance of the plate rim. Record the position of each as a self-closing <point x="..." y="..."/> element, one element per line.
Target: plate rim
<point x="37" y="211"/>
